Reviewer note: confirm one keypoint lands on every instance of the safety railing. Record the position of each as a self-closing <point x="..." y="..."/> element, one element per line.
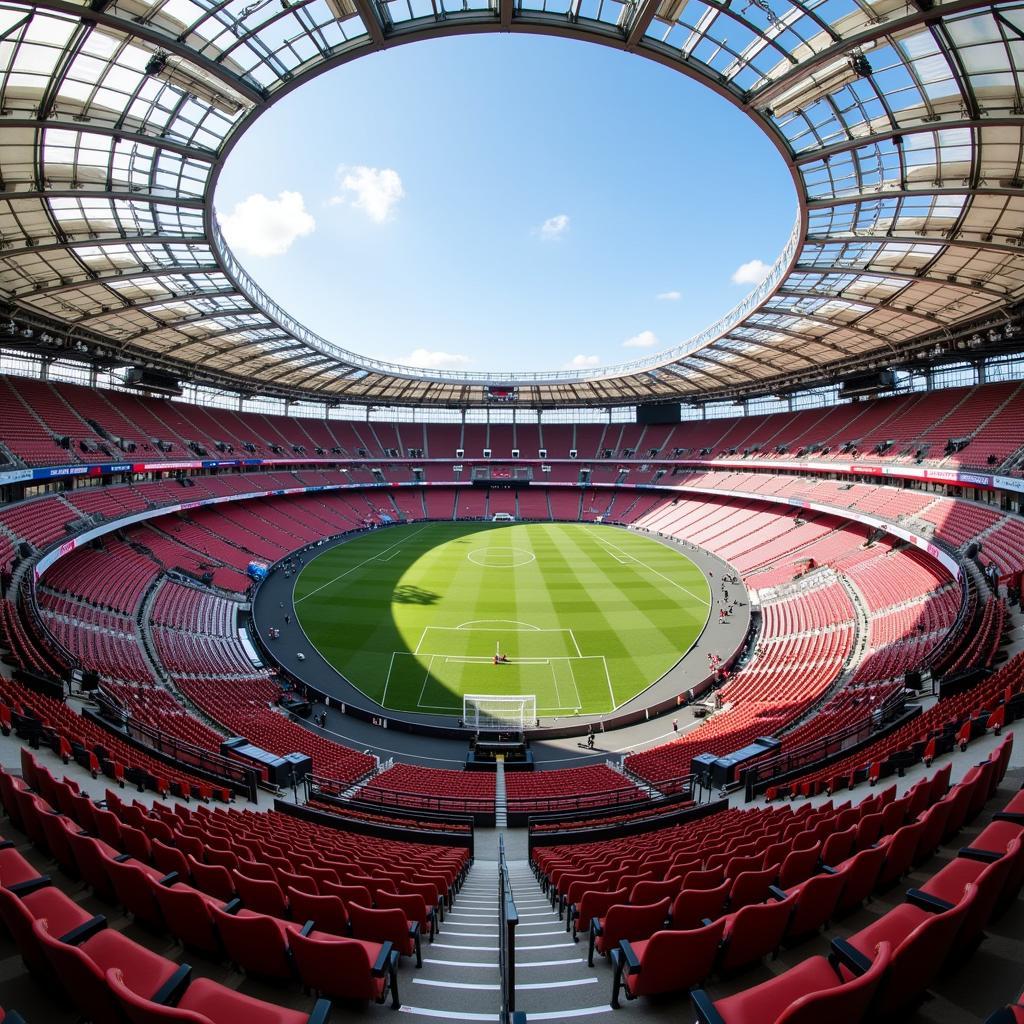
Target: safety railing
<point x="507" y="1013"/>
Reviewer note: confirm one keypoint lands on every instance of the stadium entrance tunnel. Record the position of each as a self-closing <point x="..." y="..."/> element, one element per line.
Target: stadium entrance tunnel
<point x="415" y="617"/>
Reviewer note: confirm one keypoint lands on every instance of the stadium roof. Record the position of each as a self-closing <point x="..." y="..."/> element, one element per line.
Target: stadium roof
<point x="901" y="123"/>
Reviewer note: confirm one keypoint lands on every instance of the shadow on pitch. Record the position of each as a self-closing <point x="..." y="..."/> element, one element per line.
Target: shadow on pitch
<point x="408" y="593"/>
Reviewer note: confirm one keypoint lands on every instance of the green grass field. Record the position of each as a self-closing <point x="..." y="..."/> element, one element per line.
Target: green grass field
<point x="588" y="615"/>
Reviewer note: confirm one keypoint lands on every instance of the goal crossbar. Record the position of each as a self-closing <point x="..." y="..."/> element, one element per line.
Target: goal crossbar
<point x="499" y="711"/>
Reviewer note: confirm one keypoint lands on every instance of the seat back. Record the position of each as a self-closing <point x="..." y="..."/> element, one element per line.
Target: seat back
<point x="843" y="1004"/>
<point x="692" y="906"/>
<point x="934" y="820"/>
<point x="596" y="903"/>
<point x="651" y="892"/>
<point x="899" y="853"/>
<point x="751" y="887"/>
<point x="626" y="921"/>
<point x="90" y="859"/>
<point x="676" y="960"/>
<point x="187" y="917"/>
<point x="56" y="828"/>
<point x="708" y="879"/>
<point x="868" y="830"/>
<point x="381" y="926"/>
<point x="917" y="960"/>
<point x="134" y="892"/>
<point x="254" y="942"/>
<point x="816" y="903"/>
<point x="800" y="864"/>
<point x="411" y="904"/>
<point x="80" y="978"/>
<point x="334" y="966"/>
<point x="327" y="913"/>
<point x="262" y="895"/>
<point x="755" y="931"/>
<point x="213" y="879"/>
<point x="838" y="846"/>
<point x="349" y="894"/>
<point x="143" y="1011"/>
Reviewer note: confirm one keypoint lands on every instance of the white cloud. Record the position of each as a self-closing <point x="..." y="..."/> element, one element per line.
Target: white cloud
<point x="672" y="296"/>
<point x="554" y="227"/>
<point x="427" y="360"/>
<point x="376" y="190"/>
<point x="259" y="226"/>
<point x="753" y="272"/>
<point x="645" y="339"/>
<point x="582" y="362"/>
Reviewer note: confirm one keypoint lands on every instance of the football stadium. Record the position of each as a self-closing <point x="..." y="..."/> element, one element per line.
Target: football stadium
<point x="372" y="642"/>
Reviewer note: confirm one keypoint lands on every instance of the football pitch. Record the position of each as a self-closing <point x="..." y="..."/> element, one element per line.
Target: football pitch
<point x="588" y="615"/>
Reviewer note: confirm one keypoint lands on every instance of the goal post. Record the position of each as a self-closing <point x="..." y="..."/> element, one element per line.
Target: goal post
<point x="484" y="711"/>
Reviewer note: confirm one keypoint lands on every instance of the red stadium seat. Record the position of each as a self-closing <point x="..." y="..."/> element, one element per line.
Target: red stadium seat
<point x="387" y="926"/>
<point x="625" y="921"/>
<point x="345" y="968"/>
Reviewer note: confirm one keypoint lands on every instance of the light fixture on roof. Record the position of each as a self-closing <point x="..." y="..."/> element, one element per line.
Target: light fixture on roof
<point x="860" y="65"/>
<point x="817" y="85"/>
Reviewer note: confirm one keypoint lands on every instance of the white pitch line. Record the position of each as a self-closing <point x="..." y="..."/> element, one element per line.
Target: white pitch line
<point x="372" y="558"/>
<point x="667" y="579"/>
<point x="384" y="695"/>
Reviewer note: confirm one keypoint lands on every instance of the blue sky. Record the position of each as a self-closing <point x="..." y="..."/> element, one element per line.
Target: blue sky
<point x="505" y="202"/>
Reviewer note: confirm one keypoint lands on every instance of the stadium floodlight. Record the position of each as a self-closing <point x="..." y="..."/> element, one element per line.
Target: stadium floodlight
<point x="489" y="711"/>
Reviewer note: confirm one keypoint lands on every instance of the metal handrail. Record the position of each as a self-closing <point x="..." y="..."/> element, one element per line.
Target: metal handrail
<point x="507" y="942"/>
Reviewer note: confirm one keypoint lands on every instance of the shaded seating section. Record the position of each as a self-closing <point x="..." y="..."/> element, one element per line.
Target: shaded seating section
<point x="569" y="789"/>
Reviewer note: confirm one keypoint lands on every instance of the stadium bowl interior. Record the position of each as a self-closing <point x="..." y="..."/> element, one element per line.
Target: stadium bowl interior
<point x="707" y="664"/>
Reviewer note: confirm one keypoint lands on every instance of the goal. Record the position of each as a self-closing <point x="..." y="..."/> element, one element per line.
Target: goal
<point x="503" y="517"/>
<point x="483" y="711"/>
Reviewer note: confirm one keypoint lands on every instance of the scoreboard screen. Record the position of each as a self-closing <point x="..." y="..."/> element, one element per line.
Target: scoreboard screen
<point x="498" y="393"/>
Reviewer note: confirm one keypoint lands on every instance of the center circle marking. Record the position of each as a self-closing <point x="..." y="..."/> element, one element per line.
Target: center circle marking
<point x="524" y="558"/>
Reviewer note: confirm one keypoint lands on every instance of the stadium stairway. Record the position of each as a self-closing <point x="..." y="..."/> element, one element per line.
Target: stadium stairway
<point x="500" y="796"/>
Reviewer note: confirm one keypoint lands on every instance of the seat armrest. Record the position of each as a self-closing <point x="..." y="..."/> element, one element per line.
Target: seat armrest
<point x="84" y="931"/>
<point x="706" y="1012"/>
<point x="776" y="893"/>
<point x="13" y="1017"/>
<point x="320" y="1013"/>
<point x="1013" y="816"/>
<point x="122" y="857"/>
<point x="985" y="856"/>
<point x="595" y="926"/>
<point x="169" y="879"/>
<point x="307" y="927"/>
<point x="171" y="990"/>
<point x="850" y="957"/>
<point x="383" y="957"/>
<point x="632" y="961"/>
<point x="827" y="869"/>
<point x="705" y="921"/>
<point x="232" y="906"/>
<point x="6" y="844"/>
<point x="30" y="885"/>
<point x="414" y="928"/>
<point x="927" y="902"/>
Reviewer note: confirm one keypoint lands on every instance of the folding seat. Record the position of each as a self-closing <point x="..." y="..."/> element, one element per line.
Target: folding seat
<point x="800" y="864"/>
<point x="131" y="882"/>
<point x="255" y="942"/>
<point x="137" y="843"/>
<point x="387" y="926"/>
<point x="62" y="914"/>
<point x="625" y="921"/>
<point x="751" y="887"/>
<point x="669" y="961"/>
<point x="894" y="815"/>
<point x="989" y="871"/>
<point x="259" y="895"/>
<point x="817" y="900"/>
<point x="56" y="828"/>
<point x="861" y="873"/>
<point x="431" y="896"/>
<point x="189" y="846"/>
<point x="304" y="883"/>
<point x="412" y="905"/>
<point x="869" y="829"/>
<point x="808" y="993"/>
<point x="33" y="807"/>
<point x="776" y="853"/>
<point x="374" y="885"/>
<point x="80" y="960"/>
<point x="900" y="848"/>
<point x="737" y="865"/>
<point x="108" y="827"/>
<point x="921" y="939"/>
<point x="258" y="870"/>
<point x="157" y="830"/>
<point x="343" y="968"/>
<point x="755" y="931"/>
<point x="327" y="913"/>
<point x="349" y="894"/>
<point x="206" y="1002"/>
<point x="651" y="892"/>
<point x="227" y="859"/>
<point x="703" y="879"/>
<point x="90" y="856"/>
<point x="9" y="787"/>
<point x="934" y="820"/>
<point x="959" y="797"/>
<point x="169" y="858"/>
<point x="213" y="879"/>
<point x="187" y="915"/>
<point x="319" y="874"/>
<point x="693" y="906"/>
<point x="982" y="789"/>
<point x="838" y="846"/>
<point x="593" y="903"/>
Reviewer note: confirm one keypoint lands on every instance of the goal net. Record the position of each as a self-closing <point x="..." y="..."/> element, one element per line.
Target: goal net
<point x="483" y="711"/>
